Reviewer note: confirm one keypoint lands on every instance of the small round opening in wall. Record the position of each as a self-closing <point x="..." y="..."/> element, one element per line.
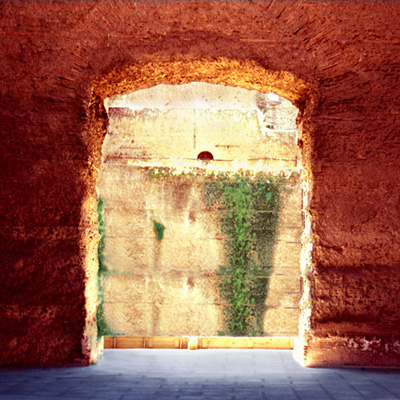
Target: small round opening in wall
<point x="205" y="156"/>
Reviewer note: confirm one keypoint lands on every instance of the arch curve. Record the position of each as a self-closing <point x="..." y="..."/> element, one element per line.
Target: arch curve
<point x="247" y="74"/>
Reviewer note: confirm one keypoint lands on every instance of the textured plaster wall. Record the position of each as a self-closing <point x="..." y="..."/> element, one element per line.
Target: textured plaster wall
<point x="169" y="287"/>
<point x="337" y="61"/>
<point x="241" y="128"/>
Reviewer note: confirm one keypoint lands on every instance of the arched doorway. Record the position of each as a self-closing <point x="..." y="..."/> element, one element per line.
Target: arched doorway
<point x="282" y="317"/>
<point x="245" y="74"/>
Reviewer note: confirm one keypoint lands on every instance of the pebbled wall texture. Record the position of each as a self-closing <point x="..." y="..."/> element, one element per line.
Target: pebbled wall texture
<point x="338" y="62"/>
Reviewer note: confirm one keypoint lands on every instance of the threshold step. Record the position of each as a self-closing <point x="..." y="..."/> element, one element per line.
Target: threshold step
<point x="197" y="342"/>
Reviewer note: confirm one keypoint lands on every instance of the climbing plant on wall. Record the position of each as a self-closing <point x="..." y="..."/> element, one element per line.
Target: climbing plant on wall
<point x="248" y="206"/>
<point x="249" y="209"/>
<point x="103" y="328"/>
<point x="159" y="228"/>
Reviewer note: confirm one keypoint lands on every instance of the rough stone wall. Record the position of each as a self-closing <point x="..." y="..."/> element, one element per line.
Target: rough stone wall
<point x="178" y="122"/>
<point x="337" y="61"/>
<point x="169" y="287"/>
<point x="282" y="316"/>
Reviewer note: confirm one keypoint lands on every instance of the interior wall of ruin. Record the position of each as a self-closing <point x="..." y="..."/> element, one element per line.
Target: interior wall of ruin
<point x="150" y="172"/>
<point x="337" y="61"/>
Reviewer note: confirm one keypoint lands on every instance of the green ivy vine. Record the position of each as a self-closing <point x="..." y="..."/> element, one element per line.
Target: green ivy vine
<point x="249" y="209"/>
<point x="103" y="328"/>
<point x="159" y="228"/>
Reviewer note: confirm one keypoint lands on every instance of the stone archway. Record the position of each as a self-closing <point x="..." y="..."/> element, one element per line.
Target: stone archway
<point x="60" y="59"/>
<point x="245" y="74"/>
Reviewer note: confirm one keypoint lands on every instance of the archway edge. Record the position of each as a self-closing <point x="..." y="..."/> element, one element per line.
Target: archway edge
<point x="247" y="74"/>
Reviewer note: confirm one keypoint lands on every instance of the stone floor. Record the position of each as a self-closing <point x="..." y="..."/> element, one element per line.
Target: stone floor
<point x="202" y="374"/>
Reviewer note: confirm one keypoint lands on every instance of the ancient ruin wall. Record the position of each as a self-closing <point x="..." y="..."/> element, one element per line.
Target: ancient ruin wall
<point x="169" y="287"/>
<point x="160" y="287"/>
<point x="337" y="61"/>
<point x="150" y="172"/>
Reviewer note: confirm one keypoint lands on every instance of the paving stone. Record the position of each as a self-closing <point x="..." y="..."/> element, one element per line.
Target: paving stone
<point x="201" y="375"/>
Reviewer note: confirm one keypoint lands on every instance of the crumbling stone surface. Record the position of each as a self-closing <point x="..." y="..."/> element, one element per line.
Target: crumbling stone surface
<point x="337" y="61"/>
<point x="169" y="287"/>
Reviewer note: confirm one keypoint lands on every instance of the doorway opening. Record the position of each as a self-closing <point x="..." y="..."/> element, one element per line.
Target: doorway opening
<point x="152" y="173"/>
